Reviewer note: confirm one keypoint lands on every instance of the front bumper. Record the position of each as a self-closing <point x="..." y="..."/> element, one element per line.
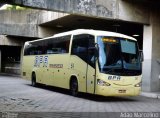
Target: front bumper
<point x="117" y="91"/>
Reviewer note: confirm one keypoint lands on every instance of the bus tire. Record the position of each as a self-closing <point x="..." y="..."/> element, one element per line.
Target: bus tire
<point x="74" y="87"/>
<point x="34" y="80"/>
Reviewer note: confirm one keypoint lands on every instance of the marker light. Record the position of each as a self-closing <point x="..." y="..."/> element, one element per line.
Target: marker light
<point x="111" y="40"/>
<point x="135" y="35"/>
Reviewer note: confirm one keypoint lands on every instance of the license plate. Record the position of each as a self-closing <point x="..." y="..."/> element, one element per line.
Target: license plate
<point x="122" y="91"/>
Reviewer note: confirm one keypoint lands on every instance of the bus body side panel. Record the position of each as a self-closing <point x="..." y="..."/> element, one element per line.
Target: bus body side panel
<point x="58" y="70"/>
<point x="90" y="79"/>
<point x="28" y="64"/>
<point x="79" y="68"/>
<point x="29" y="67"/>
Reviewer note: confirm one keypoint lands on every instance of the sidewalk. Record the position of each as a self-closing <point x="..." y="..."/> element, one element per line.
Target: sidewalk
<point x="151" y="94"/>
<point x="8" y="74"/>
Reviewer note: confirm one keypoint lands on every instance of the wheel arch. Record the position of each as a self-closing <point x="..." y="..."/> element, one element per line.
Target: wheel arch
<point x="33" y="72"/>
<point x="71" y="78"/>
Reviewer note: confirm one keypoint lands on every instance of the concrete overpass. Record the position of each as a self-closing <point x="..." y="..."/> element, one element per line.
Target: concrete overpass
<point x="125" y="16"/>
<point x="112" y="9"/>
<point x="26" y="23"/>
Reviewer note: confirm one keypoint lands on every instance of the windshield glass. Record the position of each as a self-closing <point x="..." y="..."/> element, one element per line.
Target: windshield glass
<point x="118" y="56"/>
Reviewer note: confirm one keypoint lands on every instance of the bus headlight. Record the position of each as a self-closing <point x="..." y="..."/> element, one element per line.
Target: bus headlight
<point x="102" y="83"/>
<point x="138" y="85"/>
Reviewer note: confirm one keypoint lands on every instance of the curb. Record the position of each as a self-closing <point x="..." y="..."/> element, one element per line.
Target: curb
<point x="150" y="95"/>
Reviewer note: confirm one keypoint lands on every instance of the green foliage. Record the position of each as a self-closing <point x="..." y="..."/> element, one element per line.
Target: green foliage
<point x="14" y="7"/>
<point x="11" y="7"/>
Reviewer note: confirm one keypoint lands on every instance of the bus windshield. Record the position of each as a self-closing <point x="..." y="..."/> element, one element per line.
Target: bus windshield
<point x="118" y="56"/>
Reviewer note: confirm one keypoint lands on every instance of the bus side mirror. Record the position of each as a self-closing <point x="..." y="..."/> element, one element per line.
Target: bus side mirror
<point x="141" y="56"/>
<point x="93" y="51"/>
<point x="96" y="53"/>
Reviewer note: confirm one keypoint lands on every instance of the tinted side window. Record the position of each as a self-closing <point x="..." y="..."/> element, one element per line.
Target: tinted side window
<point x="58" y="45"/>
<point x="81" y="44"/>
<point x="34" y="48"/>
<point x="49" y="46"/>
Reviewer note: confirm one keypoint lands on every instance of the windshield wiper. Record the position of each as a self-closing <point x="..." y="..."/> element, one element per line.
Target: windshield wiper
<point x="113" y="66"/>
<point x="109" y="70"/>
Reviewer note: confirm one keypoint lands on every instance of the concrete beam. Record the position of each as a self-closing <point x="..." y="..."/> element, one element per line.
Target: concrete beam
<point x="126" y="10"/>
<point x="133" y="12"/>
<point x="19" y="22"/>
<point x="20" y="16"/>
<point x="10" y="41"/>
<point x="96" y="8"/>
<point x="28" y="16"/>
<point x="24" y="30"/>
<point x="26" y="22"/>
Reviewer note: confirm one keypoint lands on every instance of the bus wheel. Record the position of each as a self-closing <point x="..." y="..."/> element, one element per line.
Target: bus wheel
<point x="74" y="87"/>
<point x="34" y="80"/>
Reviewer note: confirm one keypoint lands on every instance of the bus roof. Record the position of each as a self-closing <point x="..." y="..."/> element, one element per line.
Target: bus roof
<point x="94" y="32"/>
<point x="91" y="32"/>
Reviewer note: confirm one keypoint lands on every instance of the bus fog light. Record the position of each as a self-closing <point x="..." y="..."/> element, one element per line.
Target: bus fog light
<point x="102" y="83"/>
<point x="138" y="85"/>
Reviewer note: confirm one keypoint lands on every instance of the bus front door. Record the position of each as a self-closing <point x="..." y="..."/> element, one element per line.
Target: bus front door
<point x="90" y="79"/>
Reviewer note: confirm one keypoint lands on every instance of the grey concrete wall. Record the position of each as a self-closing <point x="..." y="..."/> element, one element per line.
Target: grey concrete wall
<point x="19" y="23"/>
<point x="28" y="16"/>
<point x="46" y="31"/>
<point x="19" y="16"/>
<point x="110" y="9"/>
<point x="11" y="41"/>
<point x="147" y="50"/>
<point x="97" y="8"/>
<point x="0" y="61"/>
<point x="21" y="59"/>
<point x="12" y="68"/>
<point x="25" y="30"/>
<point x="26" y="22"/>
<point x="47" y="16"/>
<point x="133" y="12"/>
<point x="151" y="48"/>
<point x="155" y="22"/>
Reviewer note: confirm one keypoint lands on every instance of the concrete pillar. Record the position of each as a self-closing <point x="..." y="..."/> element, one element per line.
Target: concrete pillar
<point x="147" y="50"/>
<point x="21" y="59"/>
<point x="155" y="73"/>
<point x="0" y="61"/>
<point x="151" y="48"/>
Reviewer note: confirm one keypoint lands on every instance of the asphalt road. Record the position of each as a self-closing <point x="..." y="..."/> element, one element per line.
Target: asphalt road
<point x="18" y="96"/>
